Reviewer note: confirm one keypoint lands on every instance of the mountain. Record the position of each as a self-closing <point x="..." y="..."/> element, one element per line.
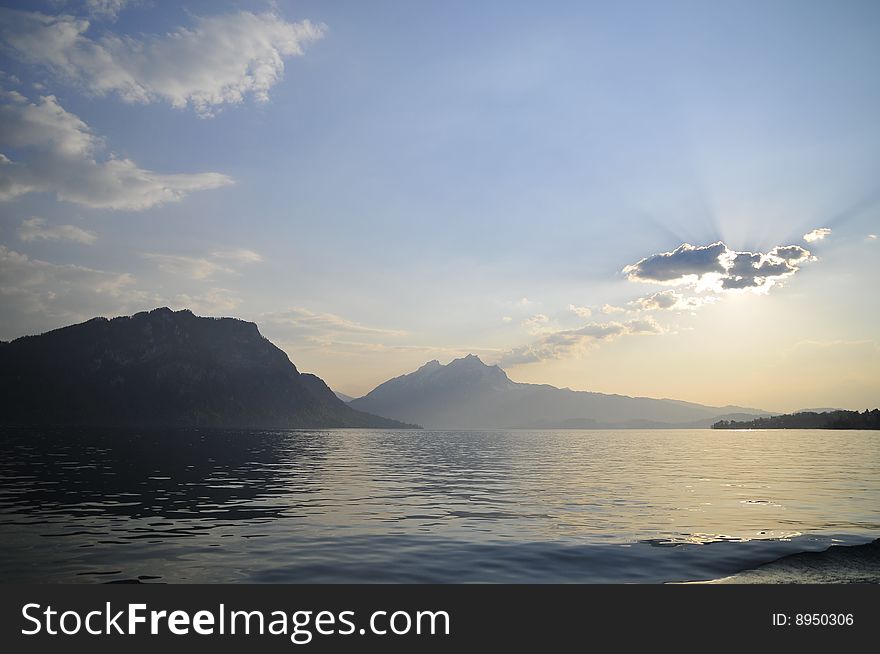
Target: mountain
<point x="834" y="419"/>
<point x="343" y="396"/>
<point x="467" y="393"/>
<point x="164" y="368"/>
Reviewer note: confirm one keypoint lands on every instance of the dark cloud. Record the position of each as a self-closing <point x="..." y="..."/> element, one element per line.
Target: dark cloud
<point x="683" y="262"/>
<point x="791" y="253"/>
<point x="716" y="267"/>
<point x="755" y="270"/>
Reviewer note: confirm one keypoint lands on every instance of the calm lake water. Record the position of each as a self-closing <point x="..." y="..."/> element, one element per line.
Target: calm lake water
<point x="427" y="506"/>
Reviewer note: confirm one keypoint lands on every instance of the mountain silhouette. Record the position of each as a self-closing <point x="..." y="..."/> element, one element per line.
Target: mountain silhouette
<point x="466" y="393"/>
<point x="164" y="368"/>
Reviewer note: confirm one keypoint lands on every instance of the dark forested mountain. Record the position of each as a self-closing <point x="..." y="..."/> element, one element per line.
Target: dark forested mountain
<point x="468" y="393"/>
<point x="809" y="420"/>
<point x="164" y="368"/>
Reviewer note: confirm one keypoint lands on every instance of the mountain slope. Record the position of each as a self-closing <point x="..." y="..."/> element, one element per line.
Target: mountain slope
<point x="164" y="368"/>
<point x="467" y="393"/>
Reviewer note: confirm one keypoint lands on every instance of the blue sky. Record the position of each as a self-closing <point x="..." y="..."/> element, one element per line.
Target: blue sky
<point x="396" y="182"/>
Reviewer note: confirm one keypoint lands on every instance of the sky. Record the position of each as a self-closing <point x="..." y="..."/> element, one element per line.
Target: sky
<point x="676" y="199"/>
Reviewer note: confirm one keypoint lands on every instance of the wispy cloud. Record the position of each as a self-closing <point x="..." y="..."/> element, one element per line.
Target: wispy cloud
<point x="205" y="267"/>
<point x="608" y="309"/>
<point x="190" y="267"/>
<point x="536" y="324"/>
<point x="218" y="60"/>
<point x="220" y="261"/>
<point x="238" y="255"/>
<point x="60" y="156"/>
<point x="817" y="234"/>
<point x="305" y="320"/>
<point x="359" y="347"/>
<point x="670" y="300"/>
<point x="213" y="302"/>
<point x="580" y="312"/>
<point x="574" y="342"/>
<point x="36" y="229"/>
<point x="107" y="9"/>
<point x="39" y="295"/>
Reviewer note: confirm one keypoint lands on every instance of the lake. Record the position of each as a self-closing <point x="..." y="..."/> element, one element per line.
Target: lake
<point x="426" y="506"/>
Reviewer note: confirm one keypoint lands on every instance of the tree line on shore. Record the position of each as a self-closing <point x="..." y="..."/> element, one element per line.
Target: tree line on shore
<point x="868" y="419"/>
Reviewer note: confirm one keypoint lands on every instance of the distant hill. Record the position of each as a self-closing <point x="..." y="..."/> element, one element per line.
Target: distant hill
<point x="343" y="396"/>
<point x="809" y="420"/>
<point x="819" y="410"/>
<point x="467" y="393"/>
<point x="164" y="368"/>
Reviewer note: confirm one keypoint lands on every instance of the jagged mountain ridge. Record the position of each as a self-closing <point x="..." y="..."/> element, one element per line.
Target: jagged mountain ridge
<point x="466" y="393"/>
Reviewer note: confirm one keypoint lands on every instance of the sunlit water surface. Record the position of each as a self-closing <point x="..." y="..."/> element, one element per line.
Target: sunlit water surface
<point x="427" y="506"/>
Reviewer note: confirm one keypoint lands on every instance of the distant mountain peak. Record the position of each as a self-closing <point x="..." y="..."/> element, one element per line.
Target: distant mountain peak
<point x="431" y="365"/>
<point x="467" y="393"/>
<point x="471" y="360"/>
<point x="471" y="365"/>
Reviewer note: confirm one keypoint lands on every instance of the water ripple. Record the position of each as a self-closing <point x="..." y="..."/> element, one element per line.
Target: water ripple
<point x="371" y="505"/>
